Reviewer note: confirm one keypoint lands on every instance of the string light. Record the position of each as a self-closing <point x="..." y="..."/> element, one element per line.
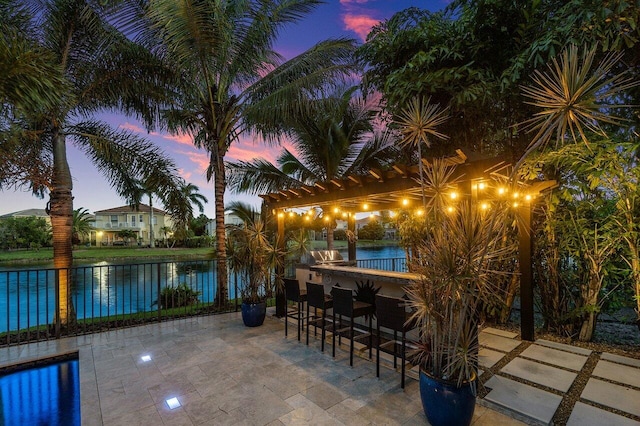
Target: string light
<point x="365" y="206"/>
<point x="291" y="214"/>
<point x="336" y="210"/>
<point x="280" y="214"/>
<point x="501" y="190"/>
<point x="516" y="204"/>
<point x="453" y="195"/>
<point x="450" y="209"/>
<point x="405" y="202"/>
<point x="419" y="212"/>
<point x="481" y="186"/>
<point x="484" y="206"/>
<point x="528" y="197"/>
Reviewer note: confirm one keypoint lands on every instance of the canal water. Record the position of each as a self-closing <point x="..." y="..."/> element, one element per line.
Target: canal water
<point x="102" y="289"/>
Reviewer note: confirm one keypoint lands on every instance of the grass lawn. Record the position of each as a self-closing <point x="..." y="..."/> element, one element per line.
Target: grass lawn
<point x="107" y="253"/>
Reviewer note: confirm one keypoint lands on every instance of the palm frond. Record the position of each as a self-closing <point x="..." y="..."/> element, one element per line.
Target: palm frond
<point x="257" y="176"/>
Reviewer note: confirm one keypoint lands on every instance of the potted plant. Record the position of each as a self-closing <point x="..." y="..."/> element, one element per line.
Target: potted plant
<point x="454" y="262"/>
<point x="251" y="260"/>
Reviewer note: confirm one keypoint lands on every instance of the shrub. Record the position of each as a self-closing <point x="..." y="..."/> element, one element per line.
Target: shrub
<point x="177" y="297"/>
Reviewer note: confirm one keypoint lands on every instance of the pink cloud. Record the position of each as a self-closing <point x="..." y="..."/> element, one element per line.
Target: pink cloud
<point x="359" y="24"/>
<point x="182" y="139"/>
<point x="133" y="128"/>
<point x="348" y="2"/>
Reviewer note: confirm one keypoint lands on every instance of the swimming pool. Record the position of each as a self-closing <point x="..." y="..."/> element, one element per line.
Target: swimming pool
<point x="41" y="393"/>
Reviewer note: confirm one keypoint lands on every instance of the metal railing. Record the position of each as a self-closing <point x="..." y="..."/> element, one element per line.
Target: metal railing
<point x="34" y="307"/>
<point x="397" y="264"/>
<point x="105" y="297"/>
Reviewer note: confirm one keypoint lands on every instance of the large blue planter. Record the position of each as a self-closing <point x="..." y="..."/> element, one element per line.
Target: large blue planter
<point x="253" y="313"/>
<point x="444" y="404"/>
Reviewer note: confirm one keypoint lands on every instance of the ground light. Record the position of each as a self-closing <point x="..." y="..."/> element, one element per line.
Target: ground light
<point x="173" y="403"/>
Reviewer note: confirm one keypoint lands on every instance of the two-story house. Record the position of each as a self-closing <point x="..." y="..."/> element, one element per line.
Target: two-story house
<point x="108" y="222"/>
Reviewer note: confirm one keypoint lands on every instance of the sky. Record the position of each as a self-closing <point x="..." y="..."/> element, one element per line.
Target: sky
<point x="334" y="18"/>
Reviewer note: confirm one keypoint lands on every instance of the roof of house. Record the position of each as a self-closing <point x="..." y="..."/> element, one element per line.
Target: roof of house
<point x="142" y="208"/>
<point x="27" y="213"/>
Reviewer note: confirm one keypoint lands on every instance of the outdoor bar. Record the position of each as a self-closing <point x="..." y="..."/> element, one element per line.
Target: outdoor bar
<point x="399" y="188"/>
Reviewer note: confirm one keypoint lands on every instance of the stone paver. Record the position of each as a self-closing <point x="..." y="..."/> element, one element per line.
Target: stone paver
<point x="618" y="373"/>
<point x="588" y="415"/>
<point x="556" y="357"/>
<point x="523" y="399"/>
<point x="541" y="374"/>
<point x="620" y="359"/>
<point x="487" y="358"/>
<point x="563" y="347"/>
<point x="612" y="395"/>
<point x="498" y="332"/>
<point x="499" y="343"/>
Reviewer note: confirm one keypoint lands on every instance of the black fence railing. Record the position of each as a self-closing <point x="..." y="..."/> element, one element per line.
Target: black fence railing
<point x="397" y="264"/>
<point x="97" y="298"/>
<point x="34" y="307"/>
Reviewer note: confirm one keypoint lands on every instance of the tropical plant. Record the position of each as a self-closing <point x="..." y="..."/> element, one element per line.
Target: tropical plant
<point x="333" y="137"/>
<point x="177" y="297"/>
<point x="81" y="224"/>
<point x="577" y="100"/>
<point x="456" y="279"/>
<point x="371" y="231"/>
<point x="232" y="80"/>
<point x="417" y="123"/>
<point x="102" y="70"/>
<point x="24" y="232"/>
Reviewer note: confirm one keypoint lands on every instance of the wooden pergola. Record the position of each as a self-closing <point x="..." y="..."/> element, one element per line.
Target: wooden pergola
<point x="400" y="188"/>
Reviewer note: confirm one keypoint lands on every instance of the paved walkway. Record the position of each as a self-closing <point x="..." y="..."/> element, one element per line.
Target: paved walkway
<point x="221" y="373"/>
<point x="532" y="380"/>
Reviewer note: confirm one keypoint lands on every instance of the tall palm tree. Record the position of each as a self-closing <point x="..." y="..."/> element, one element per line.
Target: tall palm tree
<point x="233" y="80"/>
<point x="192" y="193"/>
<point x="102" y="70"/>
<point x="333" y="136"/>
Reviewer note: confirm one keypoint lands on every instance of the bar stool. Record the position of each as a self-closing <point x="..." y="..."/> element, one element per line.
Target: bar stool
<point x="317" y="299"/>
<point x="391" y="314"/>
<point x="294" y="294"/>
<point x="344" y="305"/>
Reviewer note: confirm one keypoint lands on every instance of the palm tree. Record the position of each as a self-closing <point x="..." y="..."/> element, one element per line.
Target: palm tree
<point x="192" y="193"/>
<point x="102" y="70"/>
<point x="81" y="223"/>
<point x="30" y="79"/>
<point x="333" y="136"/>
<point x="233" y="81"/>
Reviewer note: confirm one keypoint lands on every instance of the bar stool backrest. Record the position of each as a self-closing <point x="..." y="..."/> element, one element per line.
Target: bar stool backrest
<point x="391" y="313"/>
<point x="342" y="301"/>
<point x="292" y="289"/>
<point x="315" y="295"/>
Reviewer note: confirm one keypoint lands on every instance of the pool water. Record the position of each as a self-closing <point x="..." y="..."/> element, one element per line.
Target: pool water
<point x="41" y="395"/>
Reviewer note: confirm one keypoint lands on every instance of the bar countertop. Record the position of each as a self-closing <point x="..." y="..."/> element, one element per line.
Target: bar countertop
<point x="402" y="278"/>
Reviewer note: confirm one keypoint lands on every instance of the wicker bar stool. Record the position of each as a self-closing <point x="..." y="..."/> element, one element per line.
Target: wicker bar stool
<point x="392" y="314"/>
<point x="317" y="299"/>
<point x="293" y="293"/>
<point x="345" y="306"/>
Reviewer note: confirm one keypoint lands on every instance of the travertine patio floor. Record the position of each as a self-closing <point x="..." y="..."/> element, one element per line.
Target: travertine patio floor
<point x="223" y="373"/>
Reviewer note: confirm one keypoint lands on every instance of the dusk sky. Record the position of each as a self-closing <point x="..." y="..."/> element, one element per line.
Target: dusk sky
<point x="336" y="18"/>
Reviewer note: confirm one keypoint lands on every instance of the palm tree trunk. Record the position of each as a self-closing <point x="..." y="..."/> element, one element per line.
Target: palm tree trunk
<point x="221" y="252"/>
<point x="61" y="212"/>
<point x="152" y="243"/>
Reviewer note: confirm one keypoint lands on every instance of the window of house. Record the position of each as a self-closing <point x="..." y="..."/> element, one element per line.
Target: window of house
<point x="114" y="219"/>
<point x="133" y="220"/>
<point x="141" y="219"/>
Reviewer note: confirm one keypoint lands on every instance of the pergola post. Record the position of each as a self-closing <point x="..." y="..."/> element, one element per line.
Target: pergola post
<point x="351" y="240"/>
<point x="525" y="245"/>
<point x="281" y="303"/>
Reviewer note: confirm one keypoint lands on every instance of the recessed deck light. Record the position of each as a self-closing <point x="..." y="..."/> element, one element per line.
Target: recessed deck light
<point x="173" y="403"/>
<point x="145" y="358"/>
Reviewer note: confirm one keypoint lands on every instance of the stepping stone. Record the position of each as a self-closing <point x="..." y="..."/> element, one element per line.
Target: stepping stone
<point x="563" y="347"/>
<point x="612" y="395"/>
<point x="588" y="415"/>
<point x="541" y="374"/>
<point x="618" y="373"/>
<point x="556" y="357"/>
<point x="498" y="342"/>
<point x="620" y="359"/>
<point x="498" y="332"/>
<point x="487" y="358"/>
<point x="522" y="399"/>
